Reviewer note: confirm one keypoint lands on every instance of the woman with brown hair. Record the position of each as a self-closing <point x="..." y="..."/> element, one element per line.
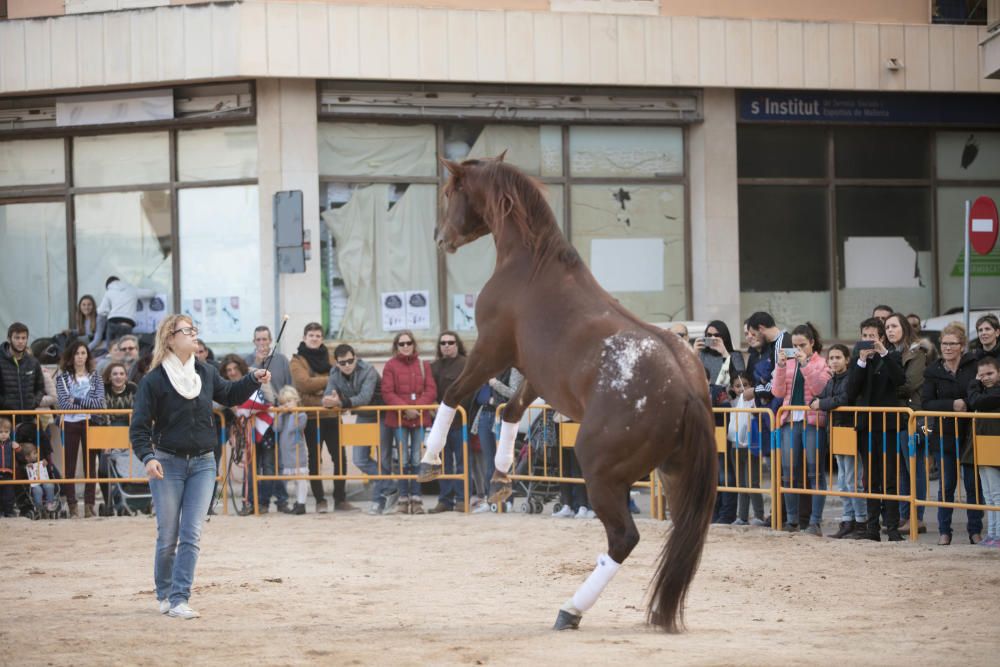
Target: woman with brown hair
<point x="79" y="387"/>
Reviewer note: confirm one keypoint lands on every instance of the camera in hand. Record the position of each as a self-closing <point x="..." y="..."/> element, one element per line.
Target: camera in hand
<point x="865" y="345"/>
<point x="789" y="352"/>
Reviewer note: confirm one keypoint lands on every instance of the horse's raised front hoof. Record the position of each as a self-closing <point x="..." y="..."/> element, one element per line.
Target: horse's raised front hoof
<point x="501" y="489"/>
<point x="567" y="621"/>
<point x="429" y="472"/>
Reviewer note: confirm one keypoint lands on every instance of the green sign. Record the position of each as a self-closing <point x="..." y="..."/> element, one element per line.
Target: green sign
<point x="981" y="265"/>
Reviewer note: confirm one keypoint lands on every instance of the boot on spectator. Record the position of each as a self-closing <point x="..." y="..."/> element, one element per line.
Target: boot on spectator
<point x="417" y="506"/>
<point x="88" y="512"/>
<point x="872" y="530"/>
<point x="72" y="511"/>
<point x="846" y="528"/>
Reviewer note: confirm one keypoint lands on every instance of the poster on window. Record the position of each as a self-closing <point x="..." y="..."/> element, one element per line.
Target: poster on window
<point x="464" y="311"/>
<point x="393" y="311"/>
<point x="218" y="318"/>
<point x="149" y="312"/>
<point x="418" y="309"/>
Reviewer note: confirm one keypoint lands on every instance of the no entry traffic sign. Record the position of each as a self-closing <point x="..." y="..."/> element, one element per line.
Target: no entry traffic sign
<point x="983" y="225"/>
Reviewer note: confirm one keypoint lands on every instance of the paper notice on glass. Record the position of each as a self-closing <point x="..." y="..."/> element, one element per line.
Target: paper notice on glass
<point x="464" y="312"/>
<point x="628" y="265"/>
<point x="418" y="309"/>
<point x="393" y="311"/>
<point x="880" y="261"/>
<point x="195" y="309"/>
<point x="149" y="312"/>
<point x="230" y="321"/>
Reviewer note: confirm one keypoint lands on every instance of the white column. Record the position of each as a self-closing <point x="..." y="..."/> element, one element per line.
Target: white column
<point x="288" y="159"/>
<point x="715" y="251"/>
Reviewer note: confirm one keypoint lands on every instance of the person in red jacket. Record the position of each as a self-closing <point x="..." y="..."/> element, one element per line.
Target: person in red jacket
<point x="406" y="380"/>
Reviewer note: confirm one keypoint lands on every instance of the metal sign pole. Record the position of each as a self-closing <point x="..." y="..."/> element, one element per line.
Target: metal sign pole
<point x="965" y="274"/>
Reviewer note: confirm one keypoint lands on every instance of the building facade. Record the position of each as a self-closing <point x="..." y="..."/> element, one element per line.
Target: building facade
<point x="706" y="161"/>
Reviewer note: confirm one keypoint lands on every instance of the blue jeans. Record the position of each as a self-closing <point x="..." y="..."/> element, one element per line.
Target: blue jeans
<point x="849" y="470"/>
<point x="488" y="441"/>
<point x="949" y="482"/>
<point x="904" y="475"/>
<point x="181" y="498"/>
<point x="453" y="465"/>
<point x="362" y="458"/>
<point x="797" y="439"/>
<point x="409" y="440"/>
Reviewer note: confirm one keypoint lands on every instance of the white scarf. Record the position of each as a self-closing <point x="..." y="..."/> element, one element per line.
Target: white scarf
<point x="183" y="377"/>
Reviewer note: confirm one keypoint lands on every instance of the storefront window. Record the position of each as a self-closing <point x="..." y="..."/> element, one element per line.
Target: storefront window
<point x="884" y="253"/>
<point x="220" y="250"/>
<point x="963" y="156"/>
<point x="34" y="236"/>
<point x="32" y="162"/>
<point x="217" y="153"/>
<point x="632" y="238"/>
<point x="626" y="152"/>
<point x="372" y="150"/>
<point x="881" y="152"/>
<point x="784" y="254"/>
<point x="121" y="159"/>
<point x="536" y="150"/>
<point x="794" y="152"/>
<point x="125" y="234"/>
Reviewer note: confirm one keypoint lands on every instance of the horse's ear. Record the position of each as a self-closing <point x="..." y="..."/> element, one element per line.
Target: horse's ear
<point x="502" y="155"/>
<point x="454" y="168"/>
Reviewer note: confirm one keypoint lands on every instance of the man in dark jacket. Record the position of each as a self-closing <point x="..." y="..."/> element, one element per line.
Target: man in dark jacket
<point x="873" y="381"/>
<point x="21" y="383"/>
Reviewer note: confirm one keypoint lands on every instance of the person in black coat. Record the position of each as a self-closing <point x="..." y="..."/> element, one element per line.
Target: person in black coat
<point x="944" y="390"/>
<point x="173" y="434"/>
<point x="874" y="380"/>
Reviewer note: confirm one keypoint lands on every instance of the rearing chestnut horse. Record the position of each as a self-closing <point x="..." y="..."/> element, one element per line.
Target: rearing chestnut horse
<point x="639" y="394"/>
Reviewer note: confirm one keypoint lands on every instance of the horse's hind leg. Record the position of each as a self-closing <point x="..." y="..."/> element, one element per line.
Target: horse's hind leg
<point x="501" y="487"/>
<point x="607" y="499"/>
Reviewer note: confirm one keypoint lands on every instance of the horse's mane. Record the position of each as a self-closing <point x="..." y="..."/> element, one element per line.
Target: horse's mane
<point x="515" y="203"/>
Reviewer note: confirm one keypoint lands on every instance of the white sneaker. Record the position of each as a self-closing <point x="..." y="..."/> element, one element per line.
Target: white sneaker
<point x="585" y="513"/>
<point x="164" y="606"/>
<point x="758" y="522"/>
<point x="739" y="522"/>
<point x="481" y="508"/>
<point x="182" y="610"/>
<point x="565" y="512"/>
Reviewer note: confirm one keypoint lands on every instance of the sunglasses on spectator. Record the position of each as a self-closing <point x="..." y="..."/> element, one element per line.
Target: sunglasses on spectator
<point x="130" y="348"/>
<point x="404" y="343"/>
<point x="187" y="331"/>
<point x="346" y="362"/>
<point x="447" y="342"/>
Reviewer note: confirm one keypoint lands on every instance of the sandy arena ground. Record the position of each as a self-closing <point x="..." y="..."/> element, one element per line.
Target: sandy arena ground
<point x="481" y="589"/>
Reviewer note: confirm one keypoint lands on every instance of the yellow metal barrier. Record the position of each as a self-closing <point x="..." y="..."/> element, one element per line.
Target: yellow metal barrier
<point x="743" y="469"/>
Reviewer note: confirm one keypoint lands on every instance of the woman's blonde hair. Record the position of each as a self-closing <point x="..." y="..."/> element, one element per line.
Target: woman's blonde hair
<point x="163" y="335"/>
<point x="956" y="329"/>
<point x="288" y="393"/>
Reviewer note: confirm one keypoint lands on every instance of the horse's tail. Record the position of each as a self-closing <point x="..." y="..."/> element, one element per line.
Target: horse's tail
<point x="692" y="472"/>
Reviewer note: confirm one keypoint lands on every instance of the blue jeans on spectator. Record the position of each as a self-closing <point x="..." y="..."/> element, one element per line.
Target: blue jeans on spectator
<point x="181" y="499"/>
<point x="488" y="441"/>
<point x="266" y="466"/>
<point x="362" y="458"/>
<point x="946" y="492"/>
<point x="904" y="475"/>
<point x="797" y="439"/>
<point x="409" y="440"/>
<point x="452" y="491"/>
<point x="747" y="465"/>
<point x="850" y="478"/>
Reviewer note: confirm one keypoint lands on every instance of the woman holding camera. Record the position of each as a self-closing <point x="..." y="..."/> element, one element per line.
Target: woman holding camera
<point x="800" y="376"/>
<point x="173" y="434"/>
<point x="715" y="350"/>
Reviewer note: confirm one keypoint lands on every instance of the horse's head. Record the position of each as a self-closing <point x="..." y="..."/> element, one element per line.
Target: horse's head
<point x="466" y="205"/>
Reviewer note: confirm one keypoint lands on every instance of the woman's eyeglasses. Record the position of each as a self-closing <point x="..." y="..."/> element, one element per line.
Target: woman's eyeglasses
<point x="447" y="342"/>
<point x="187" y="331"/>
<point x="404" y="343"/>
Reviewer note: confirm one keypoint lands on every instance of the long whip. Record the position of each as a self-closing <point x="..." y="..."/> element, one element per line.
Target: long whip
<point x="284" y="321"/>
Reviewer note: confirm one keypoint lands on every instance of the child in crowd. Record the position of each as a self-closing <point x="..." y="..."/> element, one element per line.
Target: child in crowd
<point x="292" y="454"/>
<point x="8" y="446"/>
<point x="43" y="492"/>
<point x="743" y="435"/>
<point x="850" y="475"/>
<point x="984" y="396"/>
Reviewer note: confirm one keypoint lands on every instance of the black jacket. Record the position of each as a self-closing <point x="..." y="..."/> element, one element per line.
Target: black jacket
<point x="877" y="385"/>
<point x="940" y="391"/>
<point x="163" y="419"/>
<point x="833" y="396"/>
<point x="21" y="382"/>
<point x="984" y="399"/>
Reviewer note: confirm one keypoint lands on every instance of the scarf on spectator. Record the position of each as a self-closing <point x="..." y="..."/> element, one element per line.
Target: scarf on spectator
<point x="318" y="359"/>
<point x="183" y="377"/>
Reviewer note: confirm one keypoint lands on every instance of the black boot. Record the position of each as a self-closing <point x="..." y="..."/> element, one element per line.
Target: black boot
<point x="846" y="528"/>
<point x="872" y="530"/>
<point x="893" y="533"/>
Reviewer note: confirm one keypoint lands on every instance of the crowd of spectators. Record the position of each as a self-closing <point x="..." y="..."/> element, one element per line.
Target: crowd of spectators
<point x="891" y="366"/>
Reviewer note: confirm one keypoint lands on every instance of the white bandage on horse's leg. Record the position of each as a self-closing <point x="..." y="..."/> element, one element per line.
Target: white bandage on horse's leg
<point x="591" y="589"/>
<point x="439" y="434"/>
<point x="505" y="447"/>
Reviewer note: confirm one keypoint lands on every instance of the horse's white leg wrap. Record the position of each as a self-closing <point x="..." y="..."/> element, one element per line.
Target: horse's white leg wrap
<point x="591" y="589"/>
<point x="439" y="434"/>
<point x="505" y="447"/>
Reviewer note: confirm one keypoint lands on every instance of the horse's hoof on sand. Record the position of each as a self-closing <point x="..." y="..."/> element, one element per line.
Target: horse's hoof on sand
<point x="429" y="472"/>
<point x="500" y="492"/>
<point x="567" y="621"/>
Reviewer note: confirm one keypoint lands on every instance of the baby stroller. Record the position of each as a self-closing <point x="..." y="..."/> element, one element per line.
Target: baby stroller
<point x="127" y="498"/>
<point x="538" y="456"/>
<point x="27" y="503"/>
